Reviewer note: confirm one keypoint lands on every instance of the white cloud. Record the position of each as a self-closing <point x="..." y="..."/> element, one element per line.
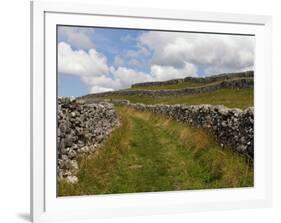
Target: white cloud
<point x="104" y="81"/>
<point x="127" y="76"/>
<point x="93" y="70"/>
<point x="161" y="73"/>
<point x="79" y="38"/>
<point x="80" y="62"/>
<point x="225" y="52"/>
<point x="98" y="89"/>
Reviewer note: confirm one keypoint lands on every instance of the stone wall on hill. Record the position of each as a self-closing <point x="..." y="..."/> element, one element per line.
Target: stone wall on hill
<point x="234" y="84"/>
<point x="81" y="129"/>
<point x="233" y="128"/>
<point x="219" y="77"/>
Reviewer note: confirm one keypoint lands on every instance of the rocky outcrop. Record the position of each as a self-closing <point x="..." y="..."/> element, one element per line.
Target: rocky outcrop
<point x="81" y="129"/>
<point x="233" y="128"/>
<point x="234" y="84"/>
<point x="209" y="79"/>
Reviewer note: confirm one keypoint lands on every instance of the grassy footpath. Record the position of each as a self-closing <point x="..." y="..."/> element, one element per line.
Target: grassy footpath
<point x="232" y="98"/>
<point x="148" y="152"/>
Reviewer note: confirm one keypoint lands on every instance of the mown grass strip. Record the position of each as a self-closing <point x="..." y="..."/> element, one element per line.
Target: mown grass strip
<point x="149" y="152"/>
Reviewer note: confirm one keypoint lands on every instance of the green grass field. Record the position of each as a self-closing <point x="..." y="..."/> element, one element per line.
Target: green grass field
<point x="149" y="152"/>
<point x="232" y="98"/>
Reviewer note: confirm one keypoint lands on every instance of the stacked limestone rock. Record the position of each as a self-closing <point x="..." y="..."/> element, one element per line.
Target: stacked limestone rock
<point x="233" y="128"/>
<point x="81" y="129"/>
<point x="208" y="79"/>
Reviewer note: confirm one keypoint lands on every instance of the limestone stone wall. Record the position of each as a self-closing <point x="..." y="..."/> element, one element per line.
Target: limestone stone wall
<point x="219" y="77"/>
<point x="81" y="129"/>
<point x="233" y="128"/>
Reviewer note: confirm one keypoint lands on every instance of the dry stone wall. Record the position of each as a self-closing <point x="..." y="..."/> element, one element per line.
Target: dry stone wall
<point x="219" y="77"/>
<point x="233" y="128"/>
<point x="81" y="129"/>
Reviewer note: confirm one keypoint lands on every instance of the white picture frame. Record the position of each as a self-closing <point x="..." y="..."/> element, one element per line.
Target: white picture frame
<point x="45" y="205"/>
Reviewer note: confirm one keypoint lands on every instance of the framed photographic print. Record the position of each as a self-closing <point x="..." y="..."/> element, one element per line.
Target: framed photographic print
<point x="145" y="111"/>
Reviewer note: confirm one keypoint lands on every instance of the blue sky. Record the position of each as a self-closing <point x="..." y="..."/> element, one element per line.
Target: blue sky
<point x="93" y="60"/>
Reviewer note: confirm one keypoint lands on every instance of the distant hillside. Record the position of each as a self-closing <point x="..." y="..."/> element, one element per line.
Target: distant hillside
<point x="233" y="90"/>
<point x="197" y="81"/>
